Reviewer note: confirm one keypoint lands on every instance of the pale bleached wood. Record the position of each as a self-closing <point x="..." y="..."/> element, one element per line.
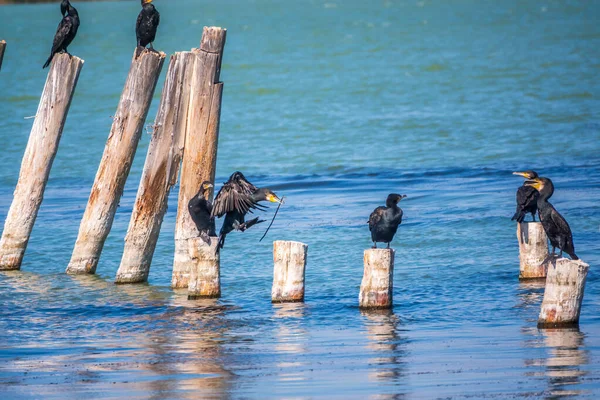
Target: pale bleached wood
<point x="205" y="271"/>
<point x="201" y="140"/>
<point x="565" y="284"/>
<point x="127" y="127"/>
<point x="160" y="172"/>
<point x="37" y="161"/>
<point x="289" y="259"/>
<point x="2" y="49"/>
<point x="376" y="288"/>
<point x="533" y="250"/>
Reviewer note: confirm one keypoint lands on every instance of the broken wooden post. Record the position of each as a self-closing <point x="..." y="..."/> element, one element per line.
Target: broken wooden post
<point x="200" y="154"/>
<point x="533" y="250"/>
<point x="121" y="145"/>
<point x="160" y="172"/>
<point x="563" y="295"/>
<point x="2" y="48"/>
<point x="37" y="160"/>
<point x="205" y="271"/>
<point x="289" y="259"/>
<point x="376" y="289"/>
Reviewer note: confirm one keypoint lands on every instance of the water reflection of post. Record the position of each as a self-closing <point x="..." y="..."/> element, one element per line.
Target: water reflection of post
<point x="563" y="366"/>
<point x="382" y="332"/>
<point x="192" y="353"/>
<point x="291" y="339"/>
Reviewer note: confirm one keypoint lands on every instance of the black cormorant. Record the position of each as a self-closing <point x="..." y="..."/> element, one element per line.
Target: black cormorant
<point x="146" y="25"/>
<point x="526" y="198"/>
<point x="384" y="221"/>
<point x="67" y="29"/>
<point x="200" y="209"/>
<point x="235" y="199"/>
<point x="556" y="227"/>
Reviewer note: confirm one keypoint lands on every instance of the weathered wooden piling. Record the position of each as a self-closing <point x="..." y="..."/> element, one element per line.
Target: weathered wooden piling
<point x="37" y="161"/>
<point x="533" y="250"/>
<point x="160" y="172"/>
<point x="289" y="266"/>
<point x="565" y="284"/>
<point x="205" y="271"/>
<point x="200" y="154"/>
<point x="2" y="49"/>
<point x="128" y="123"/>
<point x="376" y="289"/>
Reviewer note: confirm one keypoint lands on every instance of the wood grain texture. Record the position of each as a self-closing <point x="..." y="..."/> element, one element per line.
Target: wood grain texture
<point x="205" y="271"/>
<point x="289" y="267"/>
<point x="37" y="161"/>
<point x="160" y="172"/>
<point x="377" y="286"/>
<point x="533" y="250"/>
<point x="565" y="284"/>
<point x="201" y="141"/>
<point x="2" y="50"/>
<point x="128" y="123"/>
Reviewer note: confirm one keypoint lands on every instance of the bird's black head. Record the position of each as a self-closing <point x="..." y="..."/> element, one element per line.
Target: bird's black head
<point x="393" y="199"/>
<point x="542" y="185"/>
<point x="206" y="185"/>
<point x="529" y="174"/>
<point x="64" y="7"/>
<point x="266" y="194"/>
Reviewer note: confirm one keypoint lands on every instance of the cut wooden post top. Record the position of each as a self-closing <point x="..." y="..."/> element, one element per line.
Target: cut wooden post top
<point x="213" y="39"/>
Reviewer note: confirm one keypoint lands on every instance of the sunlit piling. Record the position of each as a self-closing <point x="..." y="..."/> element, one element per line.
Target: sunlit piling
<point x="533" y="250"/>
<point x="127" y="127"/>
<point x="565" y="284"/>
<point x="376" y="289"/>
<point x="201" y="138"/>
<point x="205" y="271"/>
<point x="2" y="49"/>
<point x="160" y="172"/>
<point x="37" y="160"/>
<point x="289" y="259"/>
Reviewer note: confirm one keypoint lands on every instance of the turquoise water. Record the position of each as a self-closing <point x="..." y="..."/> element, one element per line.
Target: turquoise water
<point x="333" y="104"/>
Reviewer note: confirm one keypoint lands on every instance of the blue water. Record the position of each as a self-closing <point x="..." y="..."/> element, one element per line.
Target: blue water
<point x="334" y="105"/>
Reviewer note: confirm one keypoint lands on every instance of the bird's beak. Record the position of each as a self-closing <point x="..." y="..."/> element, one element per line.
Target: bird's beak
<point x="273" y="198"/>
<point x="534" y="183"/>
<point x="523" y="174"/>
<point x="207" y="186"/>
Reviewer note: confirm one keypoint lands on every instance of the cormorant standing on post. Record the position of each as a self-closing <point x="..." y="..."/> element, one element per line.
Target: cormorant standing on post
<point x="200" y="209"/>
<point x="384" y="221"/>
<point x="235" y="199"/>
<point x="146" y="25"/>
<point x="527" y="198"/>
<point x="67" y="29"/>
<point x="556" y="227"/>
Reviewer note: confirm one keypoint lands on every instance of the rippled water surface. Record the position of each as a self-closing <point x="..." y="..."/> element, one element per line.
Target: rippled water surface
<point x="333" y="104"/>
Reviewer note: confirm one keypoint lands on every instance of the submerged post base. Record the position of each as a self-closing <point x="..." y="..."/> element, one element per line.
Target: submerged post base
<point x="205" y="269"/>
<point x="289" y="265"/>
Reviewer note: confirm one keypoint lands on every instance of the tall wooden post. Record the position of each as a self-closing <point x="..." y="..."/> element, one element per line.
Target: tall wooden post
<point x="565" y="284"/>
<point x="2" y="48"/>
<point x="116" y="161"/>
<point x="160" y="172"/>
<point x="200" y="154"/>
<point x="377" y="286"/>
<point x="205" y="271"/>
<point x="289" y="259"/>
<point x="39" y="155"/>
<point x="533" y="250"/>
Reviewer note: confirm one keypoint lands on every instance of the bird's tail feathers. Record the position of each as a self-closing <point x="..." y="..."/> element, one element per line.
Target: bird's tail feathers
<point x="519" y="216"/>
<point x="48" y="61"/>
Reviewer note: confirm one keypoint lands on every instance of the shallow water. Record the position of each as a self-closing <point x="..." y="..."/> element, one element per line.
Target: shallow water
<point x="334" y="105"/>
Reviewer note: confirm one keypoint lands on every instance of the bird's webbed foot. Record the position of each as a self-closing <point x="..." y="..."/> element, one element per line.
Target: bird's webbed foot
<point x="374" y="245"/>
<point x="388" y="245"/>
<point x="151" y="48"/>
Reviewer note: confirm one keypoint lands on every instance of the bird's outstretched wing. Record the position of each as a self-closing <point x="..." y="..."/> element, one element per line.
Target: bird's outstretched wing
<point x="230" y="199"/>
<point x="375" y="217"/>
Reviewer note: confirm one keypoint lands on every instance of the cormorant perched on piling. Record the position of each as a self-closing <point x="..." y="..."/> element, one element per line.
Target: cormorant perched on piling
<point x="146" y="25"/>
<point x="384" y="221"/>
<point x="527" y="198"/>
<point x="235" y="199"/>
<point x="200" y="210"/>
<point x="556" y="227"/>
<point x="67" y="29"/>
